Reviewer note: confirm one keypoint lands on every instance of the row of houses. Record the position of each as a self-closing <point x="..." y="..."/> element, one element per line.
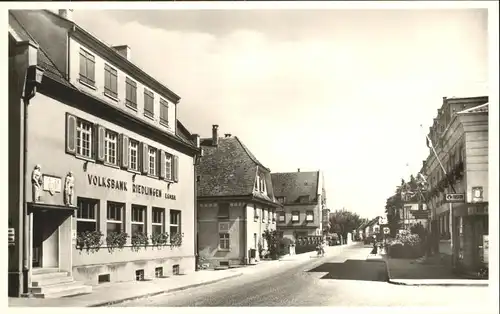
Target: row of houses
<point x="106" y="184"/>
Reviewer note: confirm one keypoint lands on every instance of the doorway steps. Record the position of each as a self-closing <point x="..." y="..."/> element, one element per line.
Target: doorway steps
<point x="53" y="283"/>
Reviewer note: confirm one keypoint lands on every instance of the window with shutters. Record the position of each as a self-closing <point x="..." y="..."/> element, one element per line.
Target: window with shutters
<point x="110" y="81"/>
<point x="115" y="214"/>
<point x="87" y="68"/>
<point x="152" y="161"/>
<point x="84" y="138"/>
<point x="110" y="147"/>
<point x="138" y="221"/>
<point x="168" y="167"/>
<point x="133" y="154"/>
<point x="86" y="215"/>
<point x="163" y="112"/>
<point x="158" y="222"/>
<point x="131" y="93"/>
<point x="175" y="222"/>
<point x="148" y="103"/>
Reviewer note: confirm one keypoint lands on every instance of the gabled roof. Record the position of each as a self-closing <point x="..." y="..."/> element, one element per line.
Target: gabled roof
<point x="293" y="185"/>
<point x="230" y="169"/>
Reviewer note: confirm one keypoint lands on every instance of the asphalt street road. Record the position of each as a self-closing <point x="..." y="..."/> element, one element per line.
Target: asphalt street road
<point x="346" y="279"/>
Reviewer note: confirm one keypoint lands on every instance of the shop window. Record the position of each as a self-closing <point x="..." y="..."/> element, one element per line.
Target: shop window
<point x="110" y="81"/>
<point x="87" y="68"/>
<point x="139" y="275"/>
<point x="158" y="222"/>
<point x="133" y="154"/>
<point x="86" y="216"/>
<point x="131" y="93"/>
<point x="295" y="216"/>
<point x="175" y="222"/>
<point x="138" y="220"/>
<point x="310" y="216"/>
<point x="115" y="215"/>
<point x="110" y="147"/>
<point x="223" y="241"/>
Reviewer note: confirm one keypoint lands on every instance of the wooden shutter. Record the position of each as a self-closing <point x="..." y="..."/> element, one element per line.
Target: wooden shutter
<point x="124" y="151"/>
<point x="145" y="158"/>
<point x="100" y="143"/>
<point x="162" y="165"/>
<point x="175" y="160"/>
<point x="70" y="134"/>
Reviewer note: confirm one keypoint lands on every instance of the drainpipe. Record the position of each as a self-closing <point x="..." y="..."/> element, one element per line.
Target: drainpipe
<point x="245" y="228"/>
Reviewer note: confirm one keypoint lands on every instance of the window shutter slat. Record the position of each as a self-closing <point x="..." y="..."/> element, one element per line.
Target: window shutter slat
<point x="124" y="151"/>
<point x="175" y="160"/>
<point x="145" y="158"/>
<point x="100" y="143"/>
<point x="70" y="134"/>
<point x="162" y="164"/>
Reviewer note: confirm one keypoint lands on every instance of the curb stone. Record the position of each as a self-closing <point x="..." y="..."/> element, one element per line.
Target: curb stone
<point x="400" y="283"/>
<point x="152" y="294"/>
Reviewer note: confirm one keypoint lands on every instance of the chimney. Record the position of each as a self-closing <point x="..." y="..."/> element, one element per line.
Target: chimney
<point x="215" y="135"/>
<point x="227" y="135"/>
<point x="196" y="140"/>
<point x="124" y="50"/>
<point x="298" y="169"/>
<point x="67" y="14"/>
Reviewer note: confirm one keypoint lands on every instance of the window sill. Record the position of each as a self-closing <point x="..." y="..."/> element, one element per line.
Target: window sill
<point x="108" y="164"/>
<point x="149" y="115"/>
<point x="165" y="124"/>
<point x="92" y="87"/>
<point x="111" y="97"/>
<point x="131" y="107"/>
<point x="85" y="158"/>
<point x="223" y="250"/>
<point x="152" y="176"/>
<point x="223" y="218"/>
<point x="134" y="171"/>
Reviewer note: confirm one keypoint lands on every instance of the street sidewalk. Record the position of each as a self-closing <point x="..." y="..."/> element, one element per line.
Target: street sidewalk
<point x="432" y="272"/>
<point x="113" y="293"/>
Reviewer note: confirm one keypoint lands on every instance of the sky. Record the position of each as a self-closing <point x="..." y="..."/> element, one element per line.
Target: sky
<point x="342" y="91"/>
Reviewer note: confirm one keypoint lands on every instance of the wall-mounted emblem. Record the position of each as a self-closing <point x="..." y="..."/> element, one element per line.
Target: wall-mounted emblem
<point x="51" y="184"/>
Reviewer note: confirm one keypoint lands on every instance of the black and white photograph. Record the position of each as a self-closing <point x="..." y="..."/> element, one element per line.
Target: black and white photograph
<point x="271" y="154"/>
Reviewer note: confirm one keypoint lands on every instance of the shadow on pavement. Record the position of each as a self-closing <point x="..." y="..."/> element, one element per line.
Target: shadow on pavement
<point x="354" y="270"/>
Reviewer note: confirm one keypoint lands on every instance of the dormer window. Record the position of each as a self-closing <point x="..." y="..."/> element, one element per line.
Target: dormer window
<point x="110" y="81"/>
<point x="163" y="112"/>
<point x="149" y="104"/>
<point x="131" y="93"/>
<point x="87" y="68"/>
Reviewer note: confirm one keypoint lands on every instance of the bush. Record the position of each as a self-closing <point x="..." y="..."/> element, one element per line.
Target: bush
<point x="406" y="245"/>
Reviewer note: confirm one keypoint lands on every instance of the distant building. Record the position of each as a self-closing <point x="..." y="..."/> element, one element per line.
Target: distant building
<point x="372" y="227"/>
<point x="460" y="136"/>
<point x="236" y="203"/>
<point x="303" y="197"/>
<point x="94" y="146"/>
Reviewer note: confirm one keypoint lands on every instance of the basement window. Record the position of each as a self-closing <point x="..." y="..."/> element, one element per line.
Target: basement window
<point x="103" y="278"/>
<point x="139" y="275"/>
<point x="176" y="270"/>
<point x="159" y="272"/>
<point x="224" y="263"/>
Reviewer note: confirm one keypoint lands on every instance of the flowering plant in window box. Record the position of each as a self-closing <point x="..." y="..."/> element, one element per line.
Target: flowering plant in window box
<point x="116" y="240"/>
<point x="139" y="239"/>
<point x="89" y="240"/>
<point x="159" y="239"/>
<point x="176" y="240"/>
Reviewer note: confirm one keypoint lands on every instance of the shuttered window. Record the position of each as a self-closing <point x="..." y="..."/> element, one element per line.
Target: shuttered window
<point x="110" y="81"/>
<point x="148" y="103"/>
<point x="163" y="112"/>
<point x="168" y="167"/>
<point x="84" y="138"/>
<point x="133" y="154"/>
<point x="87" y="68"/>
<point x="110" y="147"/>
<point x="131" y="93"/>
<point x="152" y="161"/>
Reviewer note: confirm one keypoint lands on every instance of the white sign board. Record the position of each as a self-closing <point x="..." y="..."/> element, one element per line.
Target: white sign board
<point x="455" y="198"/>
<point x="52" y="184"/>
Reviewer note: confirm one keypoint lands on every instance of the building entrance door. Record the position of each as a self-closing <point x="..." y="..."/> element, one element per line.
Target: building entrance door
<point x="46" y="238"/>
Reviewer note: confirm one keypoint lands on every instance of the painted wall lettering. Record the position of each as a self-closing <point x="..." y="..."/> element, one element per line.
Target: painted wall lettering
<point x="107" y="182"/>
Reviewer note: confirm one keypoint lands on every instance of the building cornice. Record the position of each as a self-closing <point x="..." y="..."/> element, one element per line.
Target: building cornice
<point x="120" y="61"/>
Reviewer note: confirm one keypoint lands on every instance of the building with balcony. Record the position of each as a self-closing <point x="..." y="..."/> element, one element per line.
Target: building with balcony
<point x="103" y="178"/>
<point x="303" y="197"/>
<point x="236" y="203"/>
<point x="460" y="137"/>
